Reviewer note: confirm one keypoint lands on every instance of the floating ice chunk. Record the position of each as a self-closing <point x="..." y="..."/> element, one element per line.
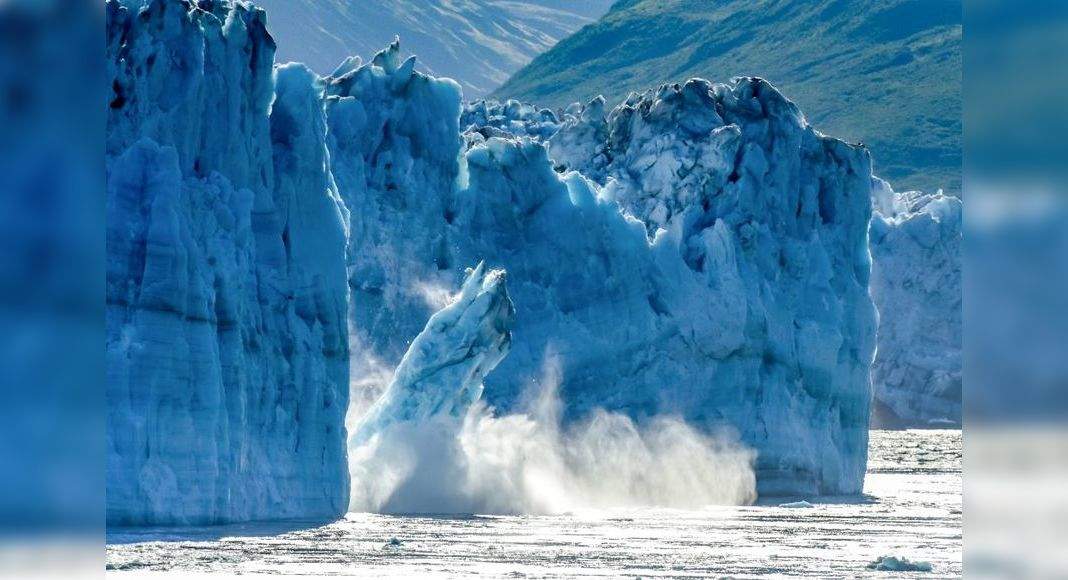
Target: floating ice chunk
<point x="796" y="504"/>
<point x="899" y="564"/>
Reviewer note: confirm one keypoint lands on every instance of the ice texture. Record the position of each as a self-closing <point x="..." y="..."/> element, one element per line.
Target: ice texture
<point x="227" y="296"/>
<point x="716" y="267"/>
<point x="510" y="118"/>
<point x="441" y="374"/>
<point x="916" y="283"/>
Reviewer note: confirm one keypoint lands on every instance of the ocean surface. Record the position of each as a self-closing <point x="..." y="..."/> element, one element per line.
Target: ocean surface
<point x="911" y="508"/>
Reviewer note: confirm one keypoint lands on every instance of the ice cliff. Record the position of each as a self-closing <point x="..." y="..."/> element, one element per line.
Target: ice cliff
<point x="916" y="283"/>
<point x="915" y="239"/>
<point x="715" y="268"/>
<point x="227" y="342"/>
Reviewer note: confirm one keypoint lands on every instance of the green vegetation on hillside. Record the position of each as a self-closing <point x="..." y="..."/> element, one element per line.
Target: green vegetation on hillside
<point x="886" y="73"/>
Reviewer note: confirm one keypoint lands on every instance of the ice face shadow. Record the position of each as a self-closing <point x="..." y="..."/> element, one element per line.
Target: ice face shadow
<point x="137" y="535"/>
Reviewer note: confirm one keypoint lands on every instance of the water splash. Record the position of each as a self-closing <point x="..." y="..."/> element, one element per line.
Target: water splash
<point x="531" y="463"/>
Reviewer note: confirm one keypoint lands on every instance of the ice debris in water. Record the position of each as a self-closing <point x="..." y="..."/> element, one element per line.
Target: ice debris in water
<point x="796" y="504"/>
<point x="899" y="564"/>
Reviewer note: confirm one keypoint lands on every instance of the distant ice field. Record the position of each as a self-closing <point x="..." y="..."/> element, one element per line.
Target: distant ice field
<point x="911" y="508"/>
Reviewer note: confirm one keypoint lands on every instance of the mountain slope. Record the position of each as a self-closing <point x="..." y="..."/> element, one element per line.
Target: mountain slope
<point x="887" y="74"/>
<point x="476" y="42"/>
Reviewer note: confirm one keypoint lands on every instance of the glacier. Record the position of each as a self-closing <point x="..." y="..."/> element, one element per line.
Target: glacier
<point x="227" y="296"/>
<point x="916" y="242"/>
<point x="278" y="241"/>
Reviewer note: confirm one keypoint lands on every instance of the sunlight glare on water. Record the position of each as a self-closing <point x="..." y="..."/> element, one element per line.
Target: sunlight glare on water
<point x="911" y="508"/>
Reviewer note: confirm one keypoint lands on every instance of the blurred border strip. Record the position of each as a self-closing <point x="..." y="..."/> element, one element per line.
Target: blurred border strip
<point x="52" y="413"/>
<point x="1016" y="288"/>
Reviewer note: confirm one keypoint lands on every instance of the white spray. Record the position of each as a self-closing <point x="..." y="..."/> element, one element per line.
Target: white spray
<point x="531" y="463"/>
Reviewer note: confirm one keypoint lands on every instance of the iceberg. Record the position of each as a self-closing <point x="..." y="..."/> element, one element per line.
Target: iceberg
<point x="227" y="296"/>
<point x="916" y="243"/>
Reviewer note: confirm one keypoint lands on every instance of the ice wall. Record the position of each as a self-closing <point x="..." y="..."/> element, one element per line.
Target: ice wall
<point x="227" y="342"/>
<point x="916" y="248"/>
<point x="916" y="283"/>
<point x="720" y="274"/>
<point x="773" y="216"/>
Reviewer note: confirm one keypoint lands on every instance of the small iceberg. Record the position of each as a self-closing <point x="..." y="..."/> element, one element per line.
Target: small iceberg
<point x="796" y="504"/>
<point x="896" y="564"/>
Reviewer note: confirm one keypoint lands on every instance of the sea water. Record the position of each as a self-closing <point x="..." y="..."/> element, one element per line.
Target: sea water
<point x="911" y="508"/>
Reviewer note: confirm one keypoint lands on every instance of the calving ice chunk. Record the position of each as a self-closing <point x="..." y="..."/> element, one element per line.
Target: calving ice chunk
<point x="441" y="374"/>
<point x="430" y="444"/>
